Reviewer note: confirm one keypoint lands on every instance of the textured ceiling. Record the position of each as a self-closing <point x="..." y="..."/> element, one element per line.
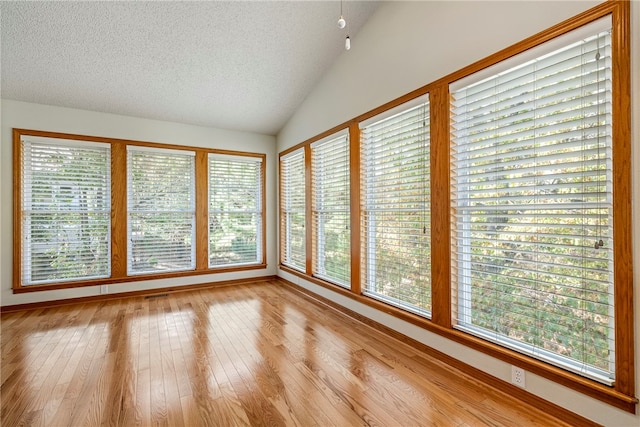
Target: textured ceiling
<point x="234" y="65"/>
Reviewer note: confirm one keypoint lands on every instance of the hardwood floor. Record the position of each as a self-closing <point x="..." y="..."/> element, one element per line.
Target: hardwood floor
<point x="258" y="354"/>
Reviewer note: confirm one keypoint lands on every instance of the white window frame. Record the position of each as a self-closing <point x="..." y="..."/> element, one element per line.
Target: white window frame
<point x="318" y="164"/>
<point x="257" y="209"/>
<point x="27" y="207"/>
<point x="369" y="216"/>
<point x="287" y="200"/>
<point x="132" y="211"/>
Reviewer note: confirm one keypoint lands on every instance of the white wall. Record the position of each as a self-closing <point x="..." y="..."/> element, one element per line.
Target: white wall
<point x="406" y="45"/>
<point x="56" y="119"/>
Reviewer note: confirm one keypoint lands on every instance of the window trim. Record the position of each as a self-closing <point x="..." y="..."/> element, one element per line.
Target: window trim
<point x="622" y="393"/>
<point x="119" y="212"/>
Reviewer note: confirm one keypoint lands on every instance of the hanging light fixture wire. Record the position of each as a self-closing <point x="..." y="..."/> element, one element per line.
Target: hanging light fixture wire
<point x="341" y="21"/>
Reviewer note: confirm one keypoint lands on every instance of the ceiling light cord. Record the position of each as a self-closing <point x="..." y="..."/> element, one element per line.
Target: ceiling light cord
<point x="342" y="23"/>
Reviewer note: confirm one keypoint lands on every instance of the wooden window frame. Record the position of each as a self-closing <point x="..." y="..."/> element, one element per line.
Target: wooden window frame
<point x="622" y="393"/>
<point x="119" y="216"/>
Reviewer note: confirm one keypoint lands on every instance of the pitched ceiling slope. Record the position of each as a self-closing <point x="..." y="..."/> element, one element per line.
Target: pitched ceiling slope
<point x="233" y="65"/>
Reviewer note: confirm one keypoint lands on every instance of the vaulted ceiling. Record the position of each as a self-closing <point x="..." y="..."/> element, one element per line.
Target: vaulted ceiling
<point x="243" y="65"/>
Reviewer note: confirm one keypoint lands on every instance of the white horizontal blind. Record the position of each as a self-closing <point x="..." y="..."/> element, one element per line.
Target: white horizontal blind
<point x="532" y="198"/>
<point x="235" y="210"/>
<point x="292" y="208"/>
<point x="66" y="210"/>
<point x="161" y="207"/>
<point x="331" y="207"/>
<point x="396" y="209"/>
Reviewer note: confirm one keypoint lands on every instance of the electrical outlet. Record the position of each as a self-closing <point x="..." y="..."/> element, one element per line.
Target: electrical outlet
<point x="517" y="376"/>
<point x="104" y="289"/>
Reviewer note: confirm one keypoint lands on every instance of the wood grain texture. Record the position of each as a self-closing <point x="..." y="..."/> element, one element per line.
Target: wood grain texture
<point x="471" y="371"/>
<point x="354" y="194"/>
<point x="119" y="241"/>
<point x="440" y="206"/>
<point x="17" y="208"/>
<point x="622" y="214"/>
<point x="252" y="354"/>
<point x="202" y="210"/>
<point x="282" y="236"/>
<point x="263" y="211"/>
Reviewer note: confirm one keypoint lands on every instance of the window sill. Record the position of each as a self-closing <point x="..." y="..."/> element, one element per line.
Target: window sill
<point x="138" y="278"/>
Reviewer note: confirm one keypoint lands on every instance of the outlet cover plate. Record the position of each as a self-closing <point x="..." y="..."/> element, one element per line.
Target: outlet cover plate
<point x="517" y="376"/>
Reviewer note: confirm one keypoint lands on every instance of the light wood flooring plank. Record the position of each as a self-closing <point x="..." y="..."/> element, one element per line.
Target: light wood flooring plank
<point x="245" y="355"/>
